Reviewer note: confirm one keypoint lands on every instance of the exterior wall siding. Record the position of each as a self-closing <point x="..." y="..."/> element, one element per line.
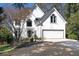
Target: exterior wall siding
<point x="58" y="25"/>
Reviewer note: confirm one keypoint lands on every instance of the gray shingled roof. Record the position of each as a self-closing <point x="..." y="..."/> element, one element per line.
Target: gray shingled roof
<point x="45" y="7"/>
<point x="44" y="17"/>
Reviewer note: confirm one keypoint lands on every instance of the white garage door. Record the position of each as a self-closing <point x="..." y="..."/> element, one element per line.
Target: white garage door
<point x="53" y="34"/>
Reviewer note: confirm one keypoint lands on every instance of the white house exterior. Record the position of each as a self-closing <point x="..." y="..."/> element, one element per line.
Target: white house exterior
<point x="54" y="30"/>
<point x="50" y="25"/>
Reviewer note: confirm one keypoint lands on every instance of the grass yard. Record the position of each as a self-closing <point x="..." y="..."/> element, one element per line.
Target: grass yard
<point x="5" y="48"/>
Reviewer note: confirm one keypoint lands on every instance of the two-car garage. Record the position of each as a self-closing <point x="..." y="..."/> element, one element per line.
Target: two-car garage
<point x="53" y="34"/>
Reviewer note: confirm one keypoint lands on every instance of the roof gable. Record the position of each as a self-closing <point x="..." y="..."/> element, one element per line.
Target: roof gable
<point x="45" y="7"/>
<point x="60" y="15"/>
<point x="37" y="11"/>
<point x="46" y="15"/>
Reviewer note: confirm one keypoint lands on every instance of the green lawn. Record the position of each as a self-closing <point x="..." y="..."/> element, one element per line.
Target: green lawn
<point x="5" y="48"/>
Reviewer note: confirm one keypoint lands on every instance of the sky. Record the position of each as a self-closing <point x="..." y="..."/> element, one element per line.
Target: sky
<point x="9" y="5"/>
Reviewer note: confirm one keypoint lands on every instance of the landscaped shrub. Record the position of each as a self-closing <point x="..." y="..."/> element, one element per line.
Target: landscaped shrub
<point x="35" y="36"/>
<point x="40" y="38"/>
<point x="31" y="39"/>
<point x="5" y="35"/>
<point x="73" y="36"/>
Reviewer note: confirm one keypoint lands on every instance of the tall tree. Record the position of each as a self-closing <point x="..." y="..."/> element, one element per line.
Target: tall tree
<point x="73" y="26"/>
<point x="71" y="8"/>
<point x="2" y="15"/>
<point x="71" y="14"/>
<point x="18" y="5"/>
<point x="17" y="15"/>
<point x="68" y="10"/>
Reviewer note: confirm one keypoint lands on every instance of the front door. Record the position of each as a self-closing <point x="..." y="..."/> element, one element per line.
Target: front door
<point x="29" y="33"/>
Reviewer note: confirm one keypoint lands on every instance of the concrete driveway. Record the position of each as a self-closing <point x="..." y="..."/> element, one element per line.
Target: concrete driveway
<point x="66" y="42"/>
<point x="58" y="48"/>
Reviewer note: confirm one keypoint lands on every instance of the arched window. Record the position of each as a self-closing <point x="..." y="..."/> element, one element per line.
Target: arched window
<point x="53" y="19"/>
<point x="29" y="22"/>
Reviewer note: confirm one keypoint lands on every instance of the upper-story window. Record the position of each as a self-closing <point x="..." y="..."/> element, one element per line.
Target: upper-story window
<point x="29" y="22"/>
<point x="53" y="19"/>
<point x="37" y="19"/>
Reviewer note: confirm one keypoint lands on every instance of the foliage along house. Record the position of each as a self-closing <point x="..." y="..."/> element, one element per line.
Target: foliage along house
<point x="49" y="25"/>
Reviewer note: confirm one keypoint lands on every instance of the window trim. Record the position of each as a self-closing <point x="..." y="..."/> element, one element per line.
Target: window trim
<point x="53" y="18"/>
<point x="29" y="23"/>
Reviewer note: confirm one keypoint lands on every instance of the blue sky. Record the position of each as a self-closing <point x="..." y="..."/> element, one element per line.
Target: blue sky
<point x="9" y="5"/>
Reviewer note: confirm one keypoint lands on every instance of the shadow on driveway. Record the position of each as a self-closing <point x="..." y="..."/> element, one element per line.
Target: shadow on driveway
<point x="28" y="44"/>
<point x="65" y="48"/>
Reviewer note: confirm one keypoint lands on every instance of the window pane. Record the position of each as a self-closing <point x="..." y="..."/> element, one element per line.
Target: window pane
<point x="53" y="19"/>
<point x="29" y="23"/>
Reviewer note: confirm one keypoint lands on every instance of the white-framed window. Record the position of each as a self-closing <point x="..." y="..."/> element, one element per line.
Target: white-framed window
<point x="29" y="22"/>
<point x="53" y="18"/>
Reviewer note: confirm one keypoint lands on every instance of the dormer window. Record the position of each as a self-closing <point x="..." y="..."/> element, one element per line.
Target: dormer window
<point x="37" y="19"/>
<point x="29" y="22"/>
<point x="53" y="19"/>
